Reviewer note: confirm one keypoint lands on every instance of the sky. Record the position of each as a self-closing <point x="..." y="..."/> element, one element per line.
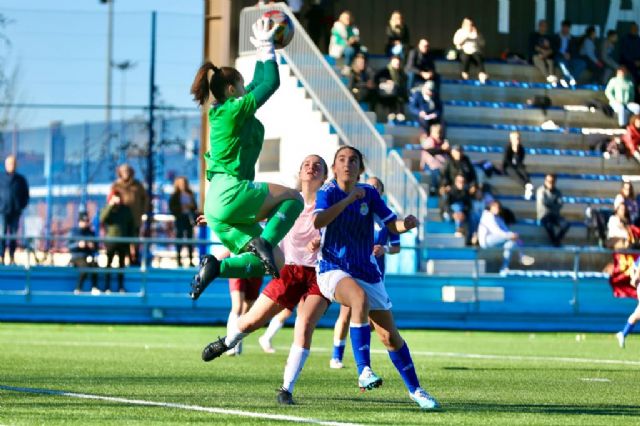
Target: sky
<point x="60" y="49"/>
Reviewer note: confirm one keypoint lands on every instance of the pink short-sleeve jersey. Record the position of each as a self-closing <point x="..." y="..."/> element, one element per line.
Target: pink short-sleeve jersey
<point x="295" y="242"/>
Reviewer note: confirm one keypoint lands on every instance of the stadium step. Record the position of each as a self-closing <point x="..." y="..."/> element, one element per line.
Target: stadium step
<point x="454" y="266"/>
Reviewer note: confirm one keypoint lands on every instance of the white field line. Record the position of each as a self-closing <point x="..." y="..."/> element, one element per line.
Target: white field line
<point x="284" y="349"/>
<point x="213" y="410"/>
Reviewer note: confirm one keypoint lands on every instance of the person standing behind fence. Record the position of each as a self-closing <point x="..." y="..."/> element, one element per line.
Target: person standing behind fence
<point x="83" y="253"/>
<point x="118" y="222"/>
<point x="182" y="205"/>
<point x="135" y="197"/>
<point x="14" y="197"/>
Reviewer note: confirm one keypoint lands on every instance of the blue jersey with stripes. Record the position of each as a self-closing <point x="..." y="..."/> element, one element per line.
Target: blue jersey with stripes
<point x="347" y="242"/>
<point x="383" y="237"/>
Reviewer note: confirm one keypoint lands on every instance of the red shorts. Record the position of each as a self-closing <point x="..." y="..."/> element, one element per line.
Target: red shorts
<point x="249" y="286"/>
<point x="295" y="283"/>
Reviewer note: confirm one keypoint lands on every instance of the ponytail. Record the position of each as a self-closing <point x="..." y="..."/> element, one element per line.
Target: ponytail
<point x="204" y="86"/>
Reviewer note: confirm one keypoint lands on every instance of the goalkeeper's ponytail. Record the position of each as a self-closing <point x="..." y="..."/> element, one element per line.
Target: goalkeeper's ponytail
<point x="212" y="81"/>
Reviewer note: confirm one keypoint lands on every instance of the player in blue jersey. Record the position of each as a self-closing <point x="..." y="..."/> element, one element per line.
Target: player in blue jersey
<point x="349" y="274"/>
<point x="635" y="315"/>
<point x="384" y="242"/>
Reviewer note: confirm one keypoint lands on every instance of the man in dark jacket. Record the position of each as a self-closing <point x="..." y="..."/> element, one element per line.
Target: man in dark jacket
<point x="14" y="197"/>
<point x="83" y="253"/>
<point x="118" y="221"/>
<point x="421" y="66"/>
<point x="548" y="206"/>
<point x="425" y="105"/>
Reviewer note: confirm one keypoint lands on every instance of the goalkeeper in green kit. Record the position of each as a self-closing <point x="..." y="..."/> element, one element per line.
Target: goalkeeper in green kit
<point x="234" y="204"/>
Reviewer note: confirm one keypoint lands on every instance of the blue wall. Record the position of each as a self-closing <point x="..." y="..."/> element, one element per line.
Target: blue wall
<point x="530" y="303"/>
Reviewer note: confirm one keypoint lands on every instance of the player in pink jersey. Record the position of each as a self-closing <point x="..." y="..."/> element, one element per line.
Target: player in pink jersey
<point x="296" y="286"/>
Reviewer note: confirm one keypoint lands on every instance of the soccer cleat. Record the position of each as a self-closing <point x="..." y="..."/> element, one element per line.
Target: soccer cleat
<point x="261" y="248"/>
<point x="424" y="400"/>
<point x="284" y="397"/>
<point x="209" y="271"/>
<point x="265" y="344"/>
<point x="368" y="380"/>
<point x="214" y="349"/>
<point x="620" y="336"/>
<point x="335" y="364"/>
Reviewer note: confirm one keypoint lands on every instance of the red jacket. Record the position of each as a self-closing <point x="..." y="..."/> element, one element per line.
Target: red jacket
<point x="631" y="139"/>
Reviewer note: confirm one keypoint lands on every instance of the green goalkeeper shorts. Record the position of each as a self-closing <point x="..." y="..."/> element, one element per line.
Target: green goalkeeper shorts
<point x="231" y="206"/>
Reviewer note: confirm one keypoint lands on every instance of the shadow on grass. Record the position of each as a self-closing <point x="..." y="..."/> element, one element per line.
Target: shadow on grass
<point x="591" y="410"/>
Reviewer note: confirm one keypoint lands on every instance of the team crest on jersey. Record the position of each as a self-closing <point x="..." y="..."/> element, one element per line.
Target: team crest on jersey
<point x="364" y="209"/>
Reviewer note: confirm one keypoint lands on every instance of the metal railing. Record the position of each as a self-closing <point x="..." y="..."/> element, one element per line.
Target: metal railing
<point x="325" y="87"/>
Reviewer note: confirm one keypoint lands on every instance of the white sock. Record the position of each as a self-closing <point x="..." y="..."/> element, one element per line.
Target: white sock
<point x="233" y="334"/>
<point x="295" y="362"/>
<point x="274" y="326"/>
<point x="337" y="342"/>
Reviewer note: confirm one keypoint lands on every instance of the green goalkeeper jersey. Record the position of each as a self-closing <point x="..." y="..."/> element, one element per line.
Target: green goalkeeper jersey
<point x="236" y="134"/>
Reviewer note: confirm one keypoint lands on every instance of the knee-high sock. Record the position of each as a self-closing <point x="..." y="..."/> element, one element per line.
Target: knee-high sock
<point x="245" y="265"/>
<point x="628" y="328"/>
<point x="274" y="326"/>
<point x="234" y="335"/>
<point x="338" y="349"/>
<point x="281" y="221"/>
<point x="297" y="357"/>
<point x="360" y="343"/>
<point x="404" y="364"/>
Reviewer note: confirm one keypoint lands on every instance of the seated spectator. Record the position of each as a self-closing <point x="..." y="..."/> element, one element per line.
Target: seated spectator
<point x="118" y="222"/>
<point x="421" y="67"/>
<point x="564" y="47"/>
<point x="470" y="43"/>
<point x="548" y="205"/>
<point x="425" y="105"/>
<point x="345" y="40"/>
<point x="620" y="92"/>
<point x="607" y="49"/>
<point x="587" y="51"/>
<point x="458" y="164"/>
<point x="493" y="232"/>
<point x="621" y="234"/>
<point x="541" y="53"/>
<point x="457" y="205"/>
<point x="182" y="205"/>
<point x="514" y="159"/>
<point x="362" y="83"/>
<point x="434" y="152"/>
<point x="397" y="36"/>
<point x="83" y="253"/>
<point x="627" y="197"/>
<point x="631" y="138"/>
<point x="481" y="199"/>
<point x="392" y="90"/>
<point x="630" y="52"/>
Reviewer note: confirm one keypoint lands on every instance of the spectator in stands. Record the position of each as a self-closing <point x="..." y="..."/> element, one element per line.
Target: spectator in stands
<point x="319" y="22"/>
<point x="631" y="138"/>
<point x="493" y="232"/>
<point x="607" y="49"/>
<point x="458" y="164"/>
<point x="470" y="43"/>
<point x="182" y="205"/>
<point x="434" y="152"/>
<point x="630" y="52"/>
<point x="457" y="203"/>
<point x="619" y="92"/>
<point x="541" y="53"/>
<point x="397" y="36"/>
<point x="83" y="253"/>
<point x="621" y="234"/>
<point x="421" y="66"/>
<point x="627" y="197"/>
<point x="479" y="203"/>
<point x="362" y="83"/>
<point x="118" y="221"/>
<point x="14" y="197"/>
<point x="392" y="90"/>
<point x="548" y="205"/>
<point x="514" y="159"/>
<point x="564" y="50"/>
<point x="345" y="40"/>
<point x="425" y="105"/>
<point x="134" y="196"/>
<point x="587" y="51"/>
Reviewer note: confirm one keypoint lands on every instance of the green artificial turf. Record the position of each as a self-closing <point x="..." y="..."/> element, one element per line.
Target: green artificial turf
<point x="534" y="378"/>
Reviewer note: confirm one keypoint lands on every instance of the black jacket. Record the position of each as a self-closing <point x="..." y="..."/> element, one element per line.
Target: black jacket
<point x="463" y="167"/>
<point x="419" y="62"/>
<point x="14" y="193"/>
<point x="514" y="159"/>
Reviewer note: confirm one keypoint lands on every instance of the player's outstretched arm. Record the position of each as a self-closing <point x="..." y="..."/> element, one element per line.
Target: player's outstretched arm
<point x="263" y="41"/>
<point x="401" y="226"/>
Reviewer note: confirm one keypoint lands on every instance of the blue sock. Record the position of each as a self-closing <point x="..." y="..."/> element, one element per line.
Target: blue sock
<point x="360" y="342"/>
<point x="404" y="364"/>
<point x="338" y="349"/>
<point x="627" y="329"/>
